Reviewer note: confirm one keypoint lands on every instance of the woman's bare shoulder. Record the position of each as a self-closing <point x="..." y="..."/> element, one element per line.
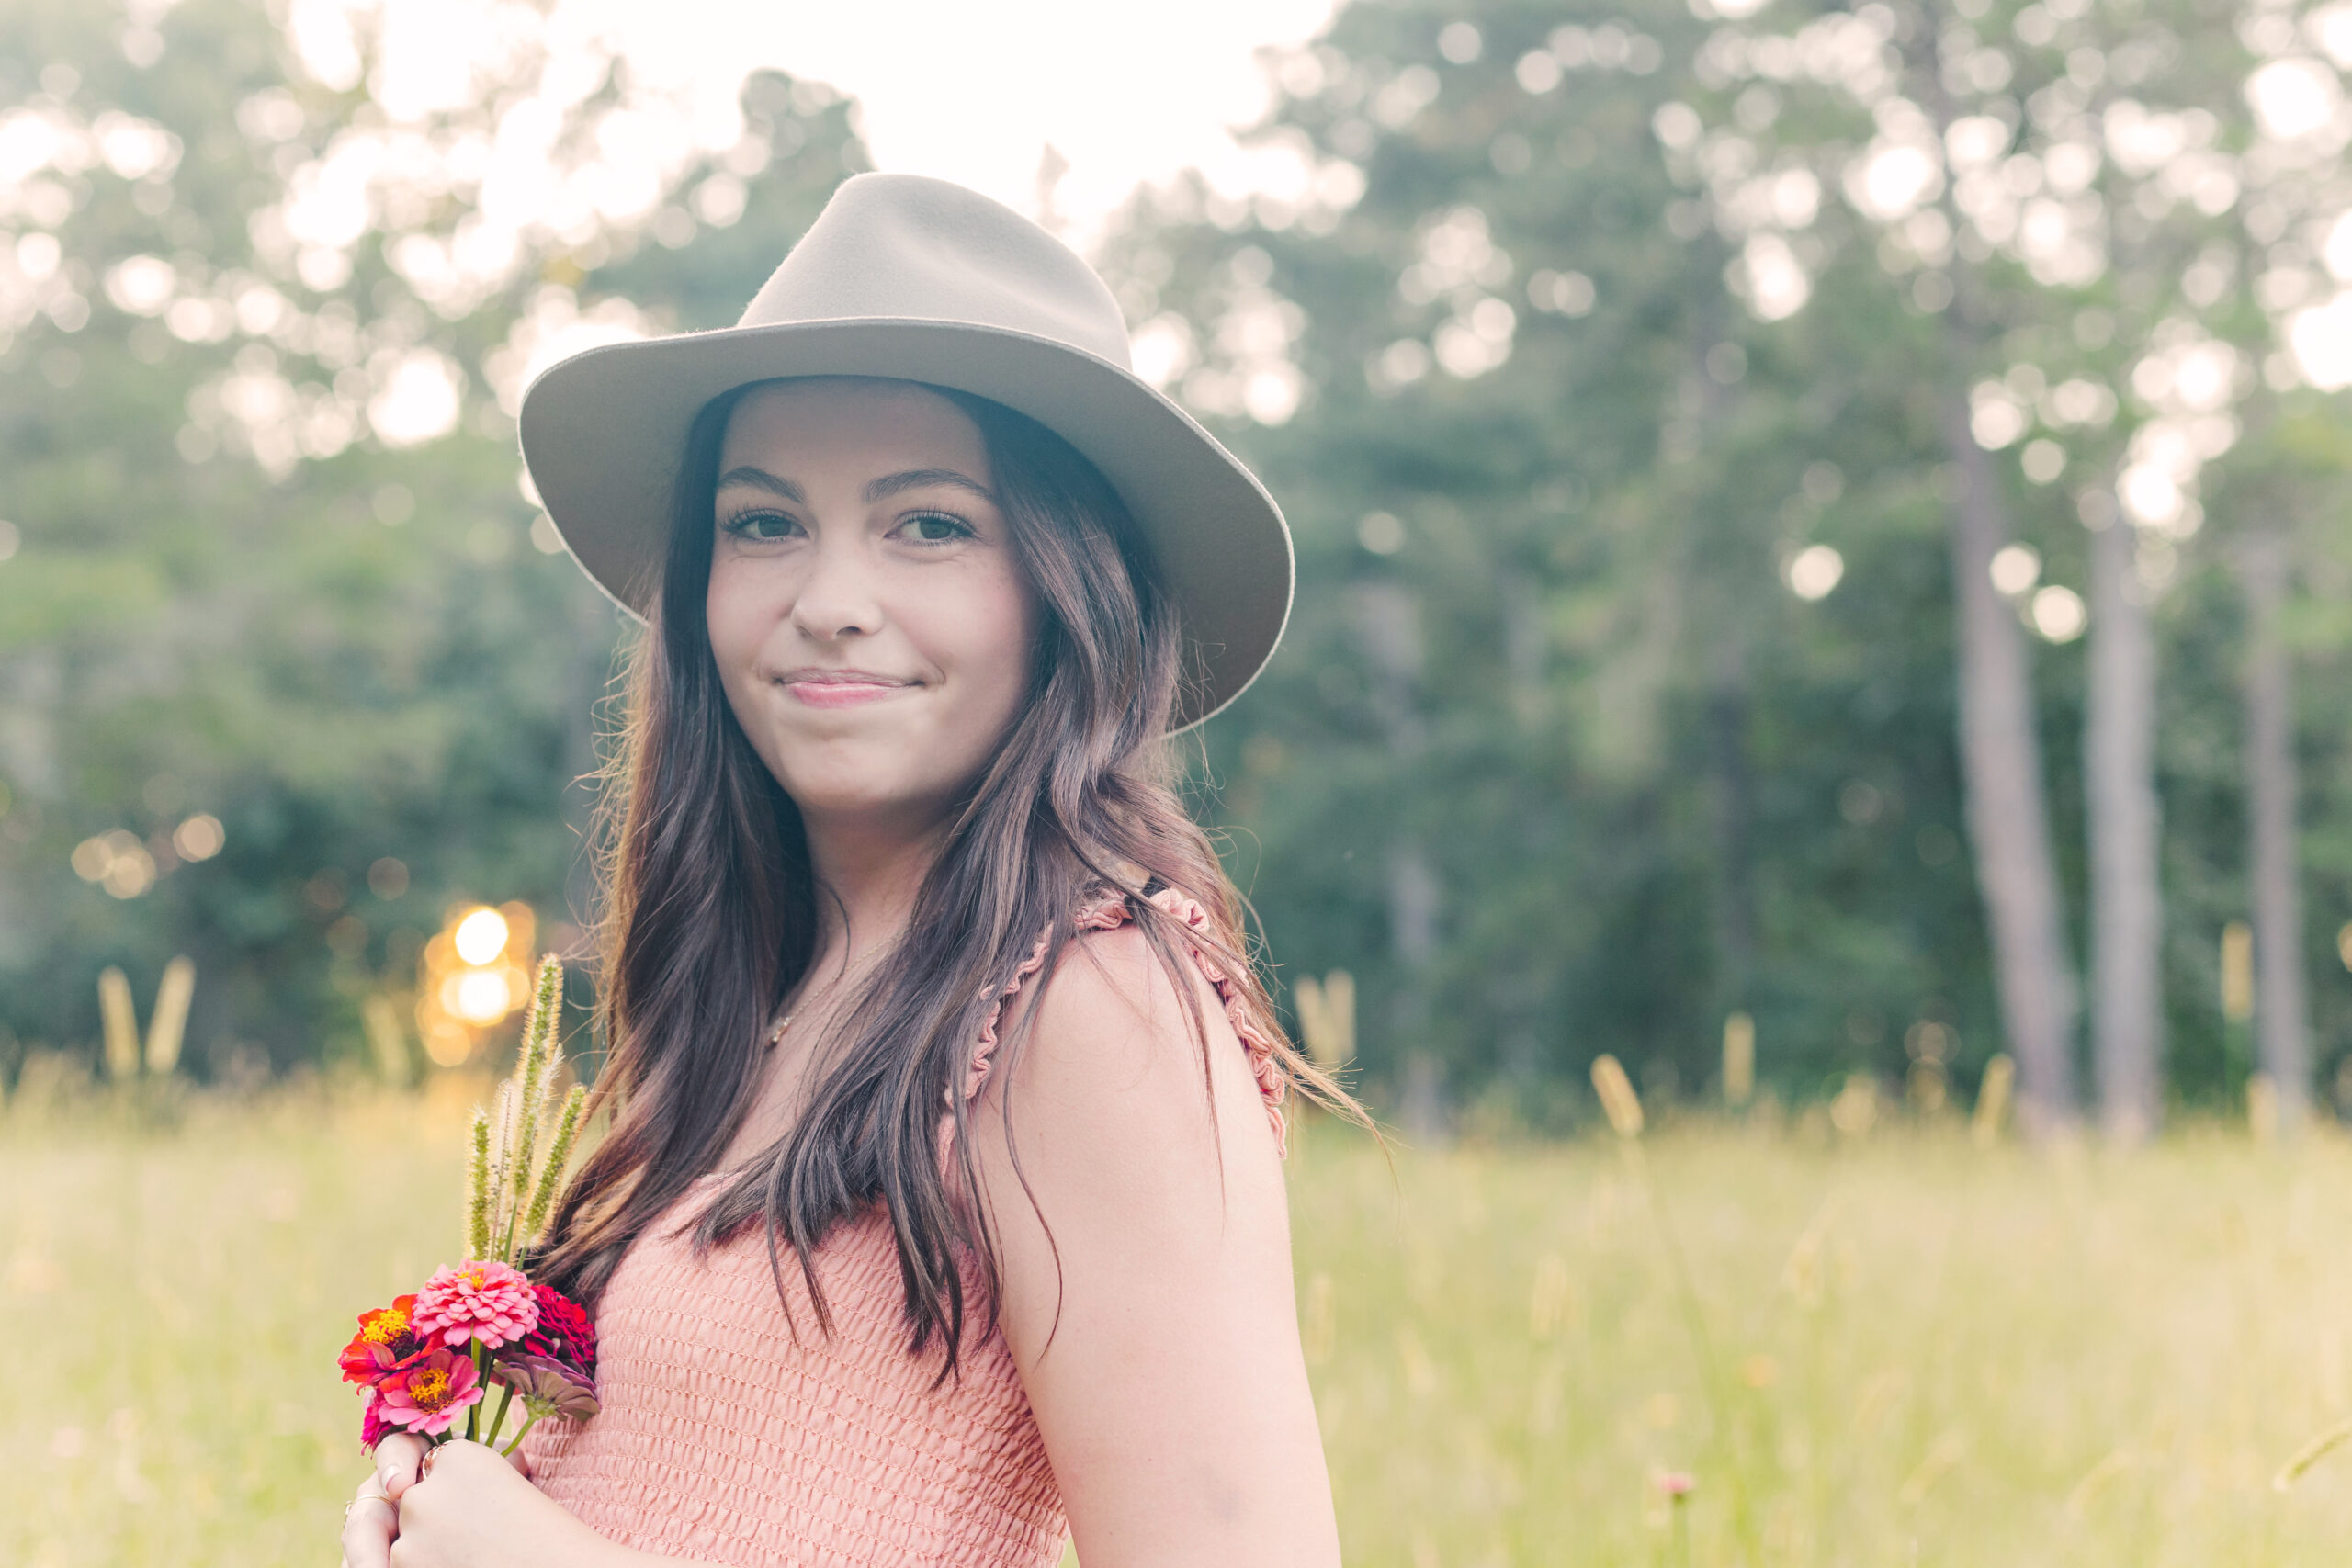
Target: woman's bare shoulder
<point x="1116" y="1059"/>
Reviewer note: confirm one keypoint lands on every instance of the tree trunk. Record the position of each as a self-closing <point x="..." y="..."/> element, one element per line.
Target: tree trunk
<point x="1729" y="816"/>
<point x="2008" y="825"/>
<point x="2119" y="789"/>
<point x="1388" y="625"/>
<point x="2282" y="1043"/>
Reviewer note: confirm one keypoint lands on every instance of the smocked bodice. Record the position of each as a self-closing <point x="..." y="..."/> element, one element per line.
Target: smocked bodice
<point x="736" y="1431"/>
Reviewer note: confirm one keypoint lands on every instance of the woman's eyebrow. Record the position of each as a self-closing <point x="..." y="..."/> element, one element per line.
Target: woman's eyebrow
<point x="889" y="485"/>
<point x="760" y="479"/>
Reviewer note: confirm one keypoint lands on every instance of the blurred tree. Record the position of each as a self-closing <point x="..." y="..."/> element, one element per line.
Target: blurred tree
<point x="1882" y="89"/>
<point x="2286" y="484"/>
<point x="1615" y="398"/>
<point x="1485" y="351"/>
<point x="281" y="649"/>
<point x="1577" y="523"/>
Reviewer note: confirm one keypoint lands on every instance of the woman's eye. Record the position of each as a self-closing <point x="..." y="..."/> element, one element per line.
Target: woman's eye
<point x="936" y="528"/>
<point x="762" y="525"/>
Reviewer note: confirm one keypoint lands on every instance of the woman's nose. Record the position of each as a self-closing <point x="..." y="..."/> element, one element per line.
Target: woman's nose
<point x="839" y="598"/>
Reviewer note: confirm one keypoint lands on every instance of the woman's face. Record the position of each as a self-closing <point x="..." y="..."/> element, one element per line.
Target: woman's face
<point x="872" y="626"/>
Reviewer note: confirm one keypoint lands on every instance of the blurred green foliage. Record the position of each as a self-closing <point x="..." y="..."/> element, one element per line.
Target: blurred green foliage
<point x="357" y="657"/>
<point x="1648" y="784"/>
<point x="1551" y="759"/>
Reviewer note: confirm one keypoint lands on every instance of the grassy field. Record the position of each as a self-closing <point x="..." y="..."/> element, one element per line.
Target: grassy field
<point x="1886" y="1350"/>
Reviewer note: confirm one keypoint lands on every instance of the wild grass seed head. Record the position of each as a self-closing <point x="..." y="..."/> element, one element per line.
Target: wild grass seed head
<point x="566" y="1128"/>
<point x="477" y="1188"/>
<point x="533" y="1075"/>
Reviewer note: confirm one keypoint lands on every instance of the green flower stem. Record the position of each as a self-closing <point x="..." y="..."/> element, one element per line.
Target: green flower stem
<point x="473" y="1411"/>
<point x="498" y="1421"/>
<point x="529" y="1422"/>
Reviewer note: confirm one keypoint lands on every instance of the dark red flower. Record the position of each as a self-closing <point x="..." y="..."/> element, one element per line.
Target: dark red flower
<point x="386" y="1338"/>
<point x="563" y="1331"/>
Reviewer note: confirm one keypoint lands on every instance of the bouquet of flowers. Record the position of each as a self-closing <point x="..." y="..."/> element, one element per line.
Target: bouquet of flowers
<point x="432" y="1356"/>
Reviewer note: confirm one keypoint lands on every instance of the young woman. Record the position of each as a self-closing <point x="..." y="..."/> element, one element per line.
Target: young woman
<point x="941" y="1214"/>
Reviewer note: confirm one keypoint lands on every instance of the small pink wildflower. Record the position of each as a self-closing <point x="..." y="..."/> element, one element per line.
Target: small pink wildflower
<point x="488" y="1302"/>
<point x="427" y="1395"/>
<point x="372" y="1425"/>
<point x="1675" y="1483"/>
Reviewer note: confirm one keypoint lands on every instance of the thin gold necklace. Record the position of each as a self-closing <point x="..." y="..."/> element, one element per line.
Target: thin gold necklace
<point x="776" y="1031"/>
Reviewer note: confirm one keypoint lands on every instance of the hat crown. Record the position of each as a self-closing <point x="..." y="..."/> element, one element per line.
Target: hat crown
<point x="910" y="248"/>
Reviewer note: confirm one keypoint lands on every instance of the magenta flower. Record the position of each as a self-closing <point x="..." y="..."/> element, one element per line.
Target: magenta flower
<point x="425" y="1396"/>
<point x="488" y="1302"/>
<point x="372" y="1425"/>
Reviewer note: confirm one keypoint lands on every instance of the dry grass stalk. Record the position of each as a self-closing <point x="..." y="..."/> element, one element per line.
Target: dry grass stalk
<point x="1617" y="1095"/>
<point x="169" y="1025"/>
<point x="1739" y="1059"/>
<point x="1992" y="1101"/>
<point x="121" y="1023"/>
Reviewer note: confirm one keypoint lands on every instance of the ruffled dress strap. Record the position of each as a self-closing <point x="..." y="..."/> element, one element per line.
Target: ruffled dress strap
<point x="1108" y="914"/>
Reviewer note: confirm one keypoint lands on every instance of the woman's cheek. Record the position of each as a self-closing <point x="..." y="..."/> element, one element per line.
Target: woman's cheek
<point x="998" y="641"/>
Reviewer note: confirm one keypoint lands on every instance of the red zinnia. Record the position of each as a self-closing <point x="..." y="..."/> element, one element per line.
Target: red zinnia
<point x="564" y="1331"/>
<point x="387" y="1337"/>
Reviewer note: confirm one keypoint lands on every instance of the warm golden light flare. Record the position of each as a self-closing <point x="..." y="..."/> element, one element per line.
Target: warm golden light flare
<point x="481" y="936"/>
<point x="479" y="997"/>
<point x="198" y="838"/>
<point x="449" y="1045"/>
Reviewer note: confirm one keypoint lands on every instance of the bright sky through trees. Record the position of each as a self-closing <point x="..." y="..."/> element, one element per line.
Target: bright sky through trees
<point x="1125" y="93"/>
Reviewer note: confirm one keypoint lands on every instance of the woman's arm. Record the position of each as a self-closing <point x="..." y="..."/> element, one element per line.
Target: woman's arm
<point x="1151" y="1308"/>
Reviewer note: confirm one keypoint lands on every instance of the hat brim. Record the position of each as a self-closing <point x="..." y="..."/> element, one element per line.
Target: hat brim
<point x="604" y="430"/>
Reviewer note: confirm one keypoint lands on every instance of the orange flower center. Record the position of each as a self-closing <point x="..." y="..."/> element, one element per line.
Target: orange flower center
<point x="388" y="1325"/>
<point x="429" y="1389"/>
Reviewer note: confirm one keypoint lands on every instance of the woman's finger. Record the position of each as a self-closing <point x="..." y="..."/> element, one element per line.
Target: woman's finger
<point x="397" y="1458"/>
<point x="368" y="1529"/>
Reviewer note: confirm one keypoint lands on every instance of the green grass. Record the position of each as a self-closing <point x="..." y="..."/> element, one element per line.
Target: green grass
<point x="1907" y="1350"/>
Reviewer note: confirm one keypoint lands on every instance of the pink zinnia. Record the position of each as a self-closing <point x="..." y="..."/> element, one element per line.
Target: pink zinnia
<point x="487" y="1302"/>
<point x="425" y="1396"/>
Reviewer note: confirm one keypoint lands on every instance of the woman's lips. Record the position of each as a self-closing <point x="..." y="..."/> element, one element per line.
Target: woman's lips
<point x="841" y="688"/>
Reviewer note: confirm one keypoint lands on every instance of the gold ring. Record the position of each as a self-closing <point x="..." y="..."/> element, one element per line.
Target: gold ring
<point x="425" y="1465"/>
<point x="364" y="1497"/>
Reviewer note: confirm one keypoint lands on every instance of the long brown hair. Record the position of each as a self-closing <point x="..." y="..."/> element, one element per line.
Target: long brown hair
<point x="710" y="905"/>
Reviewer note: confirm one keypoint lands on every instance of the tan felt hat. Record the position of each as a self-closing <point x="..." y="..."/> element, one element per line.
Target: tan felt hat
<point x="922" y="280"/>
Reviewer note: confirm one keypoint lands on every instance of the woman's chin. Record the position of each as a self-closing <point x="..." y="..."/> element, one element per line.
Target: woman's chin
<point x="852" y="797"/>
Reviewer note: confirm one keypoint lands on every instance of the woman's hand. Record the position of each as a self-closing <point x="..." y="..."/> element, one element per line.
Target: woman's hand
<point x="373" y="1521"/>
<point x="469" y="1509"/>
